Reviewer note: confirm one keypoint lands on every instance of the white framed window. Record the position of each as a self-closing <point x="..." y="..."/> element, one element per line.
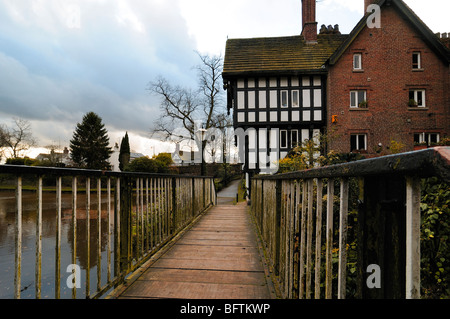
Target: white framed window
<point x="358" y="142"/>
<point x="283" y="139"/>
<point x="284" y="99"/>
<point x="417" y="98"/>
<point x="357" y="61"/>
<point x="416" y="61"/>
<point x="295" y="98"/>
<point x="428" y="138"/>
<point x="358" y="99"/>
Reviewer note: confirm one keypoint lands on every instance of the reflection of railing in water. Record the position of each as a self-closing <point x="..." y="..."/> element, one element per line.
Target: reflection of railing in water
<point x="143" y="212"/>
<point x="293" y="216"/>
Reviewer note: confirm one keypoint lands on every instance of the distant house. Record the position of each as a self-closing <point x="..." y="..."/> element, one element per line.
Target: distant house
<point x="114" y="159"/>
<point x="56" y="158"/>
<point x="133" y="156"/>
<point x="184" y="158"/>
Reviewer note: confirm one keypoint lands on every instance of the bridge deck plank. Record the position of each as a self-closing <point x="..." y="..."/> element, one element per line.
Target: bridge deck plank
<point x="218" y="258"/>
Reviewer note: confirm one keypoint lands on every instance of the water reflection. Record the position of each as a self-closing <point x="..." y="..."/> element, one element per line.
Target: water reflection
<point x="7" y="243"/>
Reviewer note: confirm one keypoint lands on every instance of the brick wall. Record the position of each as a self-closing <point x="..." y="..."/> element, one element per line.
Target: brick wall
<point x="387" y="77"/>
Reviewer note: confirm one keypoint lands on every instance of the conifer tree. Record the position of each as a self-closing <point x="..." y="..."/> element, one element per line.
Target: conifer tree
<point x="90" y="143"/>
<point x="124" y="153"/>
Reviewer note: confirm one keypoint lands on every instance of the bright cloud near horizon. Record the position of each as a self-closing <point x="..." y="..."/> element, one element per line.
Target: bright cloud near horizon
<point x="62" y="59"/>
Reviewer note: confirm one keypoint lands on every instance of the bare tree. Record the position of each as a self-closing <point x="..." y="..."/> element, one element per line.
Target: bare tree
<point x="17" y="139"/>
<point x="178" y="107"/>
<point x="188" y="109"/>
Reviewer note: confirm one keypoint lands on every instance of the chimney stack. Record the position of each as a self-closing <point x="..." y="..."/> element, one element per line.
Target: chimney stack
<point x="309" y="21"/>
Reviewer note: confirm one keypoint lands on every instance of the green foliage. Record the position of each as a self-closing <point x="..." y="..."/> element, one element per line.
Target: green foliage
<point x="20" y="161"/>
<point x="307" y="156"/>
<point x="158" y="164"/>
<point x="435" y="233"/>
<point x="301" y="157"/>
<point x="396" y="147"/>
<point x="143" y="165"/>
<point x="163" y="162"/>
<point x="337" y="158"/>
<point x="89" y="145"/>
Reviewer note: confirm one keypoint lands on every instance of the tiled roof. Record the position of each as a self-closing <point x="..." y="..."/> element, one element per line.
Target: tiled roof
<point x="278" y="54"/>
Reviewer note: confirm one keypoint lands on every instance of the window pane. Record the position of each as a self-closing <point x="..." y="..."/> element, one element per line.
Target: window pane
<point x="361" y="142"/>
<point x="284" y="98"/>
<point x="283" y="137"/>
<point x="353" y="99"/>
<point x="419" y="98"/>
<point x="416" y="60"/>
<point x="294" y="138"/>
<point x="295" y="98"/>
<point x="357" y="61"/>
<point x="416" y="138"/>
<point x="434" y="138"/>
<point x="353" y="142"/>
<point x="361" y="96"/>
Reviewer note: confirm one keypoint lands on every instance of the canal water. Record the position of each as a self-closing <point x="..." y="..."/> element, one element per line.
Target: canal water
<point x="7" y="244"/>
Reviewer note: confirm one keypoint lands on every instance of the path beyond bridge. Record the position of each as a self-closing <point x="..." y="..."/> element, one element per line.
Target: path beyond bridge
<point x="217" y="258"/>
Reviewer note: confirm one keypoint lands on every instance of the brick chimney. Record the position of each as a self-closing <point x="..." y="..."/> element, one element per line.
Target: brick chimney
<point x="309" y="21"/>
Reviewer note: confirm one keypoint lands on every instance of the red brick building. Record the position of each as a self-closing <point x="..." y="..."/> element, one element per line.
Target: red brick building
<point x="385" y="81"/>
<point x="388" y="83"/>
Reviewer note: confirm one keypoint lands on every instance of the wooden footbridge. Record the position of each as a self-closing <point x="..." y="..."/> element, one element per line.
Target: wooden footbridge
<point x="165" y="236"/>
<point x="216" y="258"/>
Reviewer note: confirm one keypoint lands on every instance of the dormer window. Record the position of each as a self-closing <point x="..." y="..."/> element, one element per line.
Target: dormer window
<point x="357" y="61"/>
<point x="416" y="61"/>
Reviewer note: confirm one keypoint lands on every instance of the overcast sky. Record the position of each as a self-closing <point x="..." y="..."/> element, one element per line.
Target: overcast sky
<point x="60" y="59"/>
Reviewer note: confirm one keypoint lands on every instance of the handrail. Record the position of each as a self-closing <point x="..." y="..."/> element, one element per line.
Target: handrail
<point x="429" y="162"/>
<point x="143" y="211"/>
<point x="289" y="209"/>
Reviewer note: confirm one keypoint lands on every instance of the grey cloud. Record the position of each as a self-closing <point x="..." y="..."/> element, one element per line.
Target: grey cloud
<point x="53" y="71"/>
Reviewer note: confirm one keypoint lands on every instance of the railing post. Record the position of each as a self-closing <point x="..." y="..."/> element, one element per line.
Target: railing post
<point x="125" y="223"/>
<point x="58" y="238"/>
<point x="174" y="203"/>
<point x="343" y="216"/>
<point x="18" y="239"/>
<point x="38" y="267"/>
<point x="412" y="238"/>
<point x="318" y="239"/>
<point x="117" y="226"/>
<point x="329" y="238"/>
<point x="277" y="227"/>
<point x="193" y="197"/>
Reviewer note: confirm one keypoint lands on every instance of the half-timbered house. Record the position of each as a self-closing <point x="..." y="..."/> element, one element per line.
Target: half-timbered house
<point x="276" y="88"/>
